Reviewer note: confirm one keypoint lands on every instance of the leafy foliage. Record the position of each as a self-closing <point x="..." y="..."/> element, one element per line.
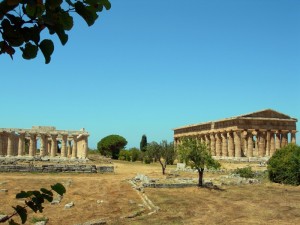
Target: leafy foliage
<point x="111" y="145"/>
<point x="245" y="172"/>
<point x="197" y="155"/>
<point x="284" y="165"/>
<point x="33" y="200"/>
<point x="164" y="153"/>
<point x="132" y="154"/>
<point x="22" y="22"/>
<point x="143" y="143"/>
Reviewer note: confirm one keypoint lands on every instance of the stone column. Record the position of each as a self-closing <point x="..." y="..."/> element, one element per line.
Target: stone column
<point x="85" y="147"/>
<point x="64" y="145"/>
<point x="1" y="146"/>
<point x="293" y="136"/>
<point x="268" y="143"/>
<point x="230" y="145"/>
<point x="237" y="143"/>
<point x="272" y="143"/>
<point x="69" y="149"/>
<point x="224" y="144"/>
<point x="212" y="144"/>
<point x="261" y="144"/>
<point x="207" y="140"/>
<point x="53" y="145"/>
<point x="250" y="144"/>
<point x="32" y="144"/>
<point x="284" y="138"/>
<point x="49" y="146"/>
<point x="21" y="144"/>
<point x="277" y="140"/>
<point x="74" y="149"/>
<point x="10" y="145"/>
<point x="218" y="144"/>
<point x="43" y="145"/>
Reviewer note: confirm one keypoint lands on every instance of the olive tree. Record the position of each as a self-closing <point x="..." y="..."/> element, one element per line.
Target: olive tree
<point x="164" y="153"/>
<point x="197" y="155"/>
<point x="22" y="22"/>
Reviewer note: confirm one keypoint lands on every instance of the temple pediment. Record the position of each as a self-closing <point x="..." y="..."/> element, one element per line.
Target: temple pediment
<point x="268" y="113"/>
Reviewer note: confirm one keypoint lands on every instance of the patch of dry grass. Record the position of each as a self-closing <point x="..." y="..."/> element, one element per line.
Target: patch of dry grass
<point x="252" y="204"/>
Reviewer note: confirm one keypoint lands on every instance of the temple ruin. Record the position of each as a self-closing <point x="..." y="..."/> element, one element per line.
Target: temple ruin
<point x="257" y="134"/>
<point x="73" y="144"/>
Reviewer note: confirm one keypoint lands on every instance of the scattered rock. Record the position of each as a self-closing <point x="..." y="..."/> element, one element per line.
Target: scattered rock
<point x="3" y="190"/>
<point x="69" y="205"/>
<point x="131" y="202"/>
<point x="100" y="201"/>
<point x="41" y="223"/>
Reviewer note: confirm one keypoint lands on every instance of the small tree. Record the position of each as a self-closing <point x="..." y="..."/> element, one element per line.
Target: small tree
<point x="284" y="165"/>
<point x="143" y="143"/>
<point x="197" y="155"/>
<point x="164" y="153"/>
<point x="111" y="145"/>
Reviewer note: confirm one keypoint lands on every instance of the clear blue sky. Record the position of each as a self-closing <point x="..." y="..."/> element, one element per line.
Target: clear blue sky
<point x="146" y="67"/>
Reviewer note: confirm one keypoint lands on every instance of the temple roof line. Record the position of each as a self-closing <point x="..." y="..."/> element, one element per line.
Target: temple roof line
<point x="270" y="114"/>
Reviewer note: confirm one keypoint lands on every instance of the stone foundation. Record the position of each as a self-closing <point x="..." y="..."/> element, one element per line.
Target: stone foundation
<point x="57" y="168"/>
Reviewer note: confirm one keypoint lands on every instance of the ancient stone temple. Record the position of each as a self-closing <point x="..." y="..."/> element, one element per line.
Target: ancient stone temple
<point x="25" y="142"/>
<point x="256" y="134"/>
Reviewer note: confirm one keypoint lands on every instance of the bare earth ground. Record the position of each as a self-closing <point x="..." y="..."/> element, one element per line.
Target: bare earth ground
<point x="264" y="203"/>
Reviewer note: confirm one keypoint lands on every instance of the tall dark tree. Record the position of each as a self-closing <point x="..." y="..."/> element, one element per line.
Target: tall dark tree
<point x="111" y="145"/>
<point x="22" y="22"/>
<point x="143" y="143"/>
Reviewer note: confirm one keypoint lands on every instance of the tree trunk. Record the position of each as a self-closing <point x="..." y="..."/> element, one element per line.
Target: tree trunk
<point x="200" y="182"/>
<point x="163" y="170"/>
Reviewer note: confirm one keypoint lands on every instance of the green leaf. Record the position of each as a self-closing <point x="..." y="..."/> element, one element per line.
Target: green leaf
<point x="106" y="4"/>
<point x="59" y="188"/>
<point x="22" y="194"/>
<point x="35" y="10"/>
<point x="47" y="48"/>
<point x="22" y="213"/>
<point x="66" y="21"/>
<point x="47" y="197"/>
<point x="46" y="191"/>
<point x="87" y="13"/>
<point x="59" y="30"/>
<point x="31" y="205"/>
<point x="32" y="33"/>
<point x="53" y="4"/>
<point x="29" y="52"/>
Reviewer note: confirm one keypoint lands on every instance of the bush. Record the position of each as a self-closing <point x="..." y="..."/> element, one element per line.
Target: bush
<point x="284" y="165"/>
<point x="245" y="172"/>
<point x="124" y="155"/>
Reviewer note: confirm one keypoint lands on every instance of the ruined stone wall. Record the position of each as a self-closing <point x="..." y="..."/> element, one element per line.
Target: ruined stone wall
<point x="57" y="168"/>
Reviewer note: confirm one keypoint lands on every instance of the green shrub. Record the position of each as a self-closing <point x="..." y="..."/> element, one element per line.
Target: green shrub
<point x="135" y="154"/>
<point x="38" y="219"/>
<point x="147" y="160"/>
<point x="245" y="172"/>
<point x="284" y="165"/>
<point x="124" y="155"/>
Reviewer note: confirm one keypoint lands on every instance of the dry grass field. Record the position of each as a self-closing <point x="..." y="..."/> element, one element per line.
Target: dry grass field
<point x="264" y="203"/>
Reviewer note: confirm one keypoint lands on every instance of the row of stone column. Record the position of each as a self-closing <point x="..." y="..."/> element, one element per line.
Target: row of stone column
<point x="12" y="144"/>
<point x="241" y="143"/>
